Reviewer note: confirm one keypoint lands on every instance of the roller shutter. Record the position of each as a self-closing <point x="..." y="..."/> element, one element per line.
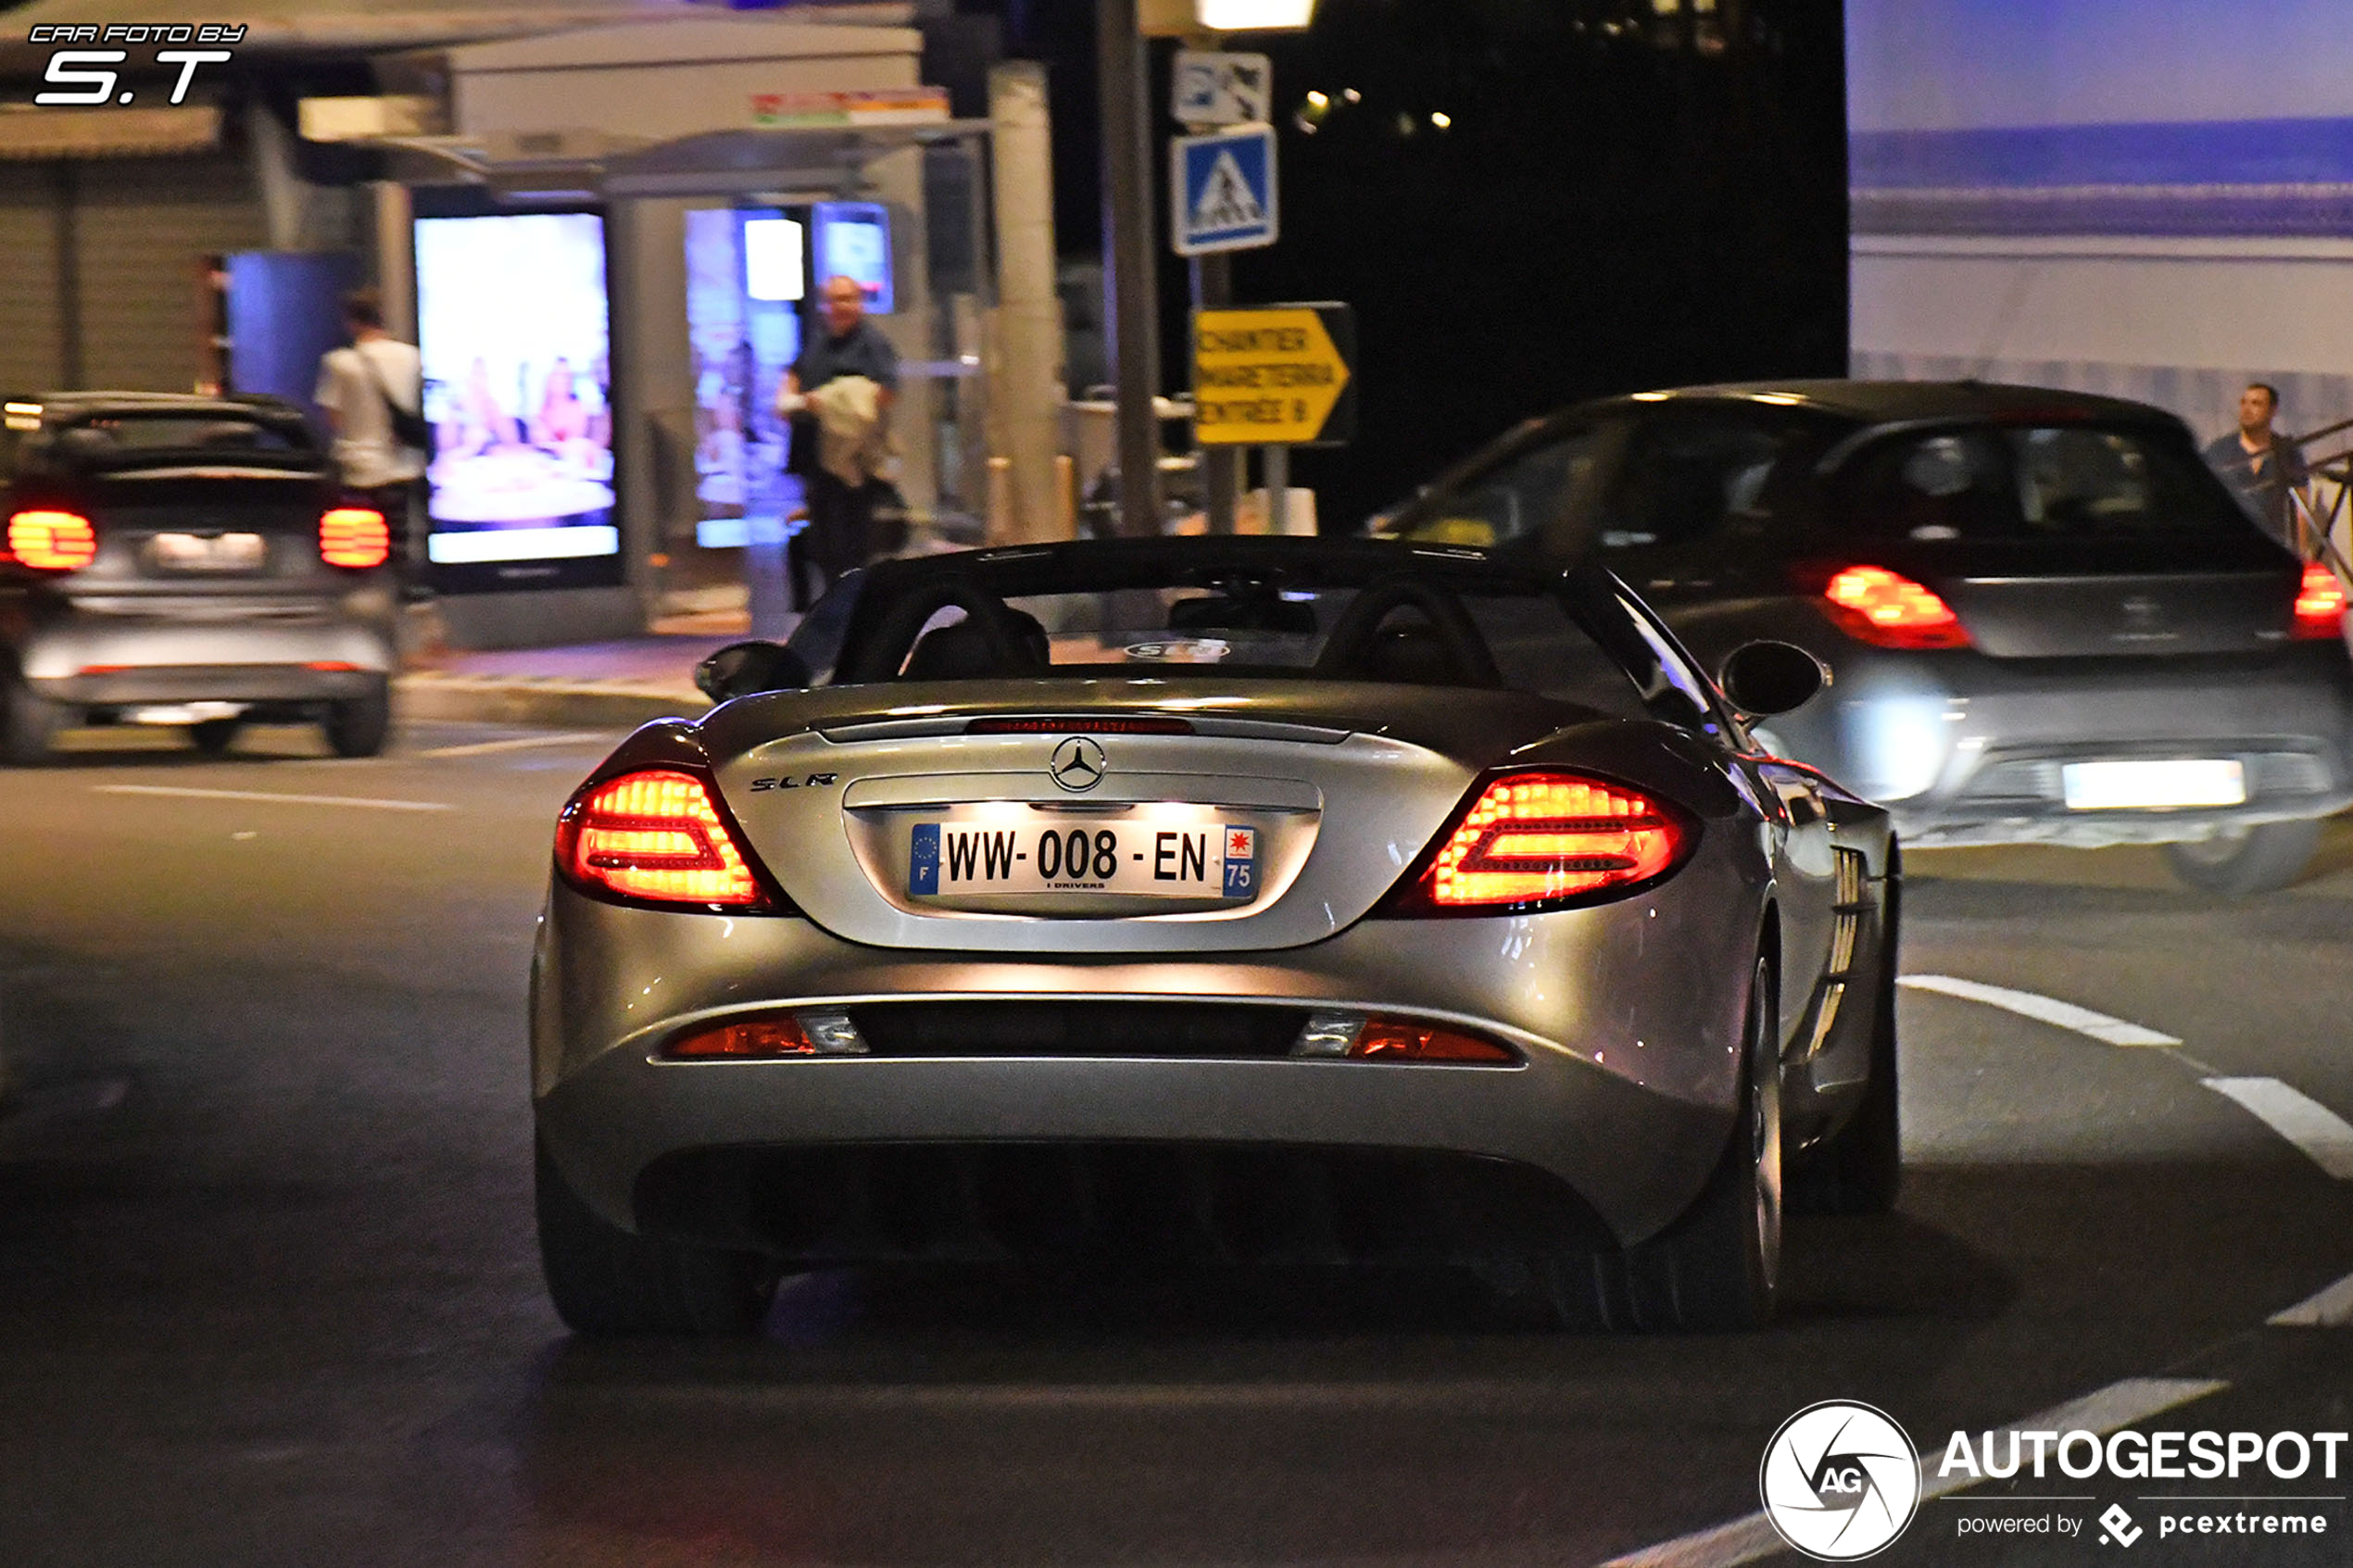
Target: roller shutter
<point x="29" y="347"/>
<point x="146" y="227"/>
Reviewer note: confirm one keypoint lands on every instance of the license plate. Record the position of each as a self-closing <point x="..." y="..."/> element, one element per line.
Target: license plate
<point x="1192" y="855"/>
<point x="198" y="552"/>
<point x="2096" y="786"/>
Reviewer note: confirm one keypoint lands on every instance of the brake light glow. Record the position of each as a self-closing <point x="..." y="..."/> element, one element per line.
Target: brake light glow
<point x="354" y="536"/>
<point x="654" y="835"/>
<point x="761" y="1037"/>
<point x="2320" y="603"/>
<point x="53" y="541"/>
<point x="1534" y="839"/>
<point x="1890" y="610"/>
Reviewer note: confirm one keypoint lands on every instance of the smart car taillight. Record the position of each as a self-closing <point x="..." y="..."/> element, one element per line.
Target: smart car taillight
<point x="1535" y="839"/>
<point x="354" y="536"/>
<point x="656" y="836"/>
<point x="1888" y="610"/>
<point x="49" y="541"/>
<point x="2320" y="603"/>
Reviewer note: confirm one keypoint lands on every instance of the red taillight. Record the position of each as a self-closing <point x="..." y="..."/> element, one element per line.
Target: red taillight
<point x="654" y="835"/>
<point x="354" y="536"/>
<point x="1386" y="1039"/>
<point x="759" y="1037"/>
<point x="1533" y="839"/>
<point x="53" y="541"/>
<point x="1890" y="610"/>
<point x="2320" y="603"/>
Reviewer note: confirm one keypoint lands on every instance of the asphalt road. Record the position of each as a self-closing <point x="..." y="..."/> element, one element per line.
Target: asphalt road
<point x="268" y="1291"/>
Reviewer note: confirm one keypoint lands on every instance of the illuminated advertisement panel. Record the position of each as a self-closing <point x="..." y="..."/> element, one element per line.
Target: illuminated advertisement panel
<point x="515" y="332"/>
<point x="2150" y="199"/>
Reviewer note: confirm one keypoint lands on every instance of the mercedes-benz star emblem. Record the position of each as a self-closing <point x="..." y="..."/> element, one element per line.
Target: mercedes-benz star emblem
<point x="1077" y="765"/>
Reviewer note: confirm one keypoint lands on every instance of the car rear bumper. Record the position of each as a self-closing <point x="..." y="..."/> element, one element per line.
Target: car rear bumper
<point x="1962" y="748"/>
<point x="302" y="650"/>
<point x="1626" y="1019"/>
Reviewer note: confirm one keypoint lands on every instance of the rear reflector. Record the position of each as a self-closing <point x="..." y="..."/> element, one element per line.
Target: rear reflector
<point x="2320" y="603"/>
<point x="1356" y="1037"/>
<point x="1533" y="839"/>
<point x="354" y="536"/>
<point x="333" y="666"/>
<point x="814" y="1033"/>
<point x="1890" y="610"/>
<point x="52" y="541"/>
<point x="656" y="837"/>
<point x="1139" y="726"/>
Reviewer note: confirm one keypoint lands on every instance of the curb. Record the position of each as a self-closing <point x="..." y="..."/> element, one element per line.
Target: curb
<point x="545" y="701"/>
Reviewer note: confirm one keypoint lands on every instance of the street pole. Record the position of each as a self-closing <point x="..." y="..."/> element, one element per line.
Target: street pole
<point x="1131" y="312"/>
<point x="1220" y="465"/>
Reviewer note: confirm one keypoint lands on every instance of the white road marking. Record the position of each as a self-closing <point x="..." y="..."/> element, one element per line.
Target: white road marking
<point x="484" y="748"/>
<point x="2047" y="1009"/>
<point x="2297" y="1117"/>
<point x="2111" y="1409"/>
<point x="181" y="792"/>
<point x="2332" y="1308"/>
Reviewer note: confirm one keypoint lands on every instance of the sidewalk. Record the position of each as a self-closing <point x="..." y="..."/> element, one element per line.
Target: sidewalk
<point x="579" y="685"/>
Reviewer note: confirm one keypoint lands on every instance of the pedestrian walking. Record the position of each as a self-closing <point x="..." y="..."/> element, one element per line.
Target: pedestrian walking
<point x="840" y="495"/>
<point x="372" y="392"/>
<point x="2260" y="465"/>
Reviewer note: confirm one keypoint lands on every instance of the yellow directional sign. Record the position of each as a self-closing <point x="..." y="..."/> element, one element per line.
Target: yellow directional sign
<point x="1273" y="375"/>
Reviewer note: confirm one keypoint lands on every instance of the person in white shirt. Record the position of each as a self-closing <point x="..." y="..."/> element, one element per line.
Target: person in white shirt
<point x="354" y="384"/>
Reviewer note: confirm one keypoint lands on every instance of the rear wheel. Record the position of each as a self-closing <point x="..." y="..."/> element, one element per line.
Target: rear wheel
<point x="357" y="726"/>
<point x="1719" y="1266"/>
<point x="606" y="1281"/>
<point x="28" y="722"/>
<point x="2262" y="859"/>
<point x="214" y="736"/>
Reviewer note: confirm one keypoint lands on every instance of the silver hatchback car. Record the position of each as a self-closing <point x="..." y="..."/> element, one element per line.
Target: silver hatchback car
<point x="186" y="561"/>
<point x="1262" y="899"/>
<point x="2046" y="621"/>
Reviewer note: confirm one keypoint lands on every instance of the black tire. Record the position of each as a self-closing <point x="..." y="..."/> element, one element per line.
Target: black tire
<point x="357" y="726"/>
<point x="27" y="723"/>
<point x="2262" y="859"/>
<point x="214" y="736"/>
<point x="1719" y="1266"/>
<point x="605" y="1281"/>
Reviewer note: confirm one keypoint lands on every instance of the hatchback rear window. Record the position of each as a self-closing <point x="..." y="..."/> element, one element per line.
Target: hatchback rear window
<point x="2034" y="482"/>
<point x="121" y="435"/>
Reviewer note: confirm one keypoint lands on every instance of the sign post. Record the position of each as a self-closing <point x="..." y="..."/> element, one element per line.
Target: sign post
<point x="1275" y="376"/>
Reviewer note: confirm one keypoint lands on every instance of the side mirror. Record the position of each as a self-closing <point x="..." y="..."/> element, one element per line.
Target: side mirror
<point x="1767" y="678"/>
<point x="748" y="668"/>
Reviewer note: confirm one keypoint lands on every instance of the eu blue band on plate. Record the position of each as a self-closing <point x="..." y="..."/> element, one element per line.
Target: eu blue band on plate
<point x="922" y="864"/>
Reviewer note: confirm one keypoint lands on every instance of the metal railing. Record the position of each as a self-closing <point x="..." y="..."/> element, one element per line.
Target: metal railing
<point x="2313" y="519"/>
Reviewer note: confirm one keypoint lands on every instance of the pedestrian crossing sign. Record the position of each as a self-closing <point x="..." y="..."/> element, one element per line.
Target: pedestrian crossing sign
<point x="1222" y="190"/>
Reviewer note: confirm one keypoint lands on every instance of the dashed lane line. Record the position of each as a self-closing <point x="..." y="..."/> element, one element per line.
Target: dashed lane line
<point x="272" y="797"/>
<point x="523" y="743"/>
<point x="2329" y="1308"/>
<point x="2047" y="1009"/>
<point x="2111" y="1409"/>
<point x="2297" y="1117"/>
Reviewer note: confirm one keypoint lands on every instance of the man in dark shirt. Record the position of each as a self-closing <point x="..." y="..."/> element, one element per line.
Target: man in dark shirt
<point x="840" y="529"/>
<point x="2258" y="464"/>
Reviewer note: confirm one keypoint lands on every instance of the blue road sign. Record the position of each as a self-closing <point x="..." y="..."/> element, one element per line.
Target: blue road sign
<point x="1222" y="190"/>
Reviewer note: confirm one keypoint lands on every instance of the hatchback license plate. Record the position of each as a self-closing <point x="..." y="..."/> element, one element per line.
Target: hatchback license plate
<point x="198" y="552"/>
<point x="1204" y="858"/>
<point x="2153" y="785"/>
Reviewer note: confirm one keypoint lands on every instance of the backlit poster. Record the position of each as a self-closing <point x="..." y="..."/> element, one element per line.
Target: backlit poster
<point x="745" y="271"/>
<point x="2141" y="197"/>
<point x="515" y="332"/>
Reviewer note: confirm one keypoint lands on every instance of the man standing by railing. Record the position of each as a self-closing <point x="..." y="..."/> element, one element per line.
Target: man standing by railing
<point x="2260" y="464"/>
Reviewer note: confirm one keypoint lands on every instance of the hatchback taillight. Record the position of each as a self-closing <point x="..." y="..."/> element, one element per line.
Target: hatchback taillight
<point x="50" y="541"/>
<point x="1888" y="610"/>
<point x="1531" y="840"/>
<point x="656" y="836"/>
<point x="2320" y="603"/>
<point x="354" y="536"/>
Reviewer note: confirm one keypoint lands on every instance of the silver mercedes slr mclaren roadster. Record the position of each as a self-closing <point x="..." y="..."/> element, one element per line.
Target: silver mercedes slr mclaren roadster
<point x="1255" y="900"/>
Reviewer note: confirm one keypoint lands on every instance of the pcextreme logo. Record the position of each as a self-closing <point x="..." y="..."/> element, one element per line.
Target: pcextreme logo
<point x="1840" y="1481"/>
